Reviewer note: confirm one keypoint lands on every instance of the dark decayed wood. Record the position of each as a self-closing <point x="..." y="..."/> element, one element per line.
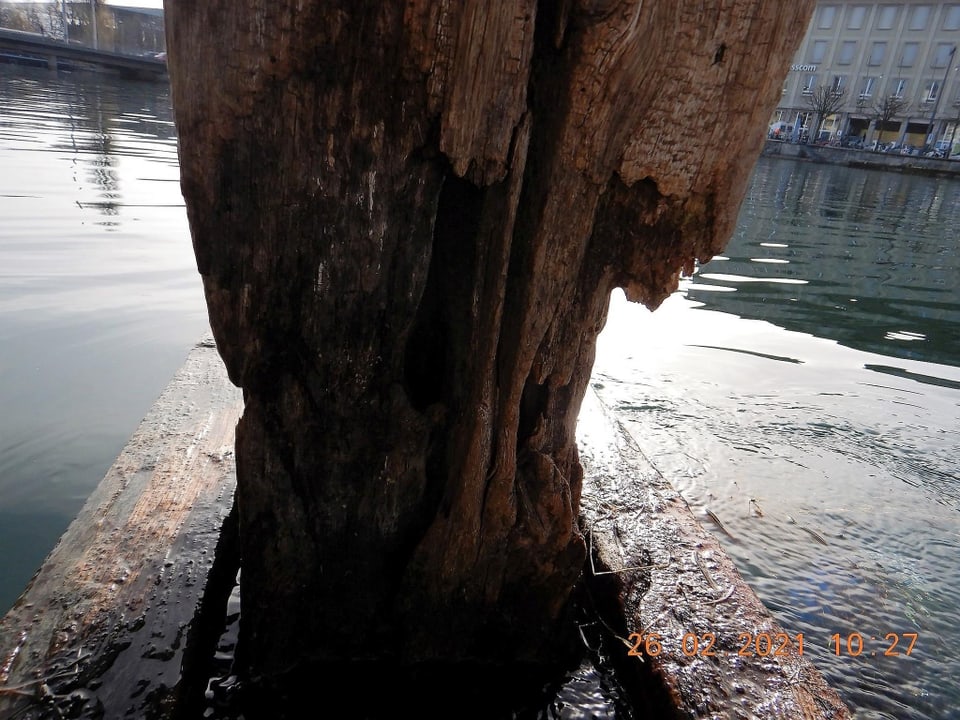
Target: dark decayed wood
<point x="409" y="216"/>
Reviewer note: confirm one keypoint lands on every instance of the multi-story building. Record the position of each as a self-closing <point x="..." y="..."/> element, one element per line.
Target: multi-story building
<point x="887" y="71"/>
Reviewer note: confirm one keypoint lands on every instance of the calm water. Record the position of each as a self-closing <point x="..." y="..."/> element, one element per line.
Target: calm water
<point x="814" y="370"/>
<point x="99" y="296"/>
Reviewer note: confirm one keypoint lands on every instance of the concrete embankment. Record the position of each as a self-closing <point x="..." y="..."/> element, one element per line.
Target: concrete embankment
<point x="33" y="49"/>
<point x="863" y="159"/>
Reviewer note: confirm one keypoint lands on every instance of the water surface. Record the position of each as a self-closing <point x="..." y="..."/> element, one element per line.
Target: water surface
<point x="99" y="296"/>
<point x="813" y="370"/>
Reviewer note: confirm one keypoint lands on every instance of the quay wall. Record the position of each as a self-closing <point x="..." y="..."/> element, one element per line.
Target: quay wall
<point x="863" y="158"/>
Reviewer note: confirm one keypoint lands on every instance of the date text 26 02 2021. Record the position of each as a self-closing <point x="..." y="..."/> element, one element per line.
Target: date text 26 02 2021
<point x="764" y="644"/>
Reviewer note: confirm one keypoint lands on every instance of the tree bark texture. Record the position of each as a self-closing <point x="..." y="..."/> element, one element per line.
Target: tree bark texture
<point x="409" y="216"/>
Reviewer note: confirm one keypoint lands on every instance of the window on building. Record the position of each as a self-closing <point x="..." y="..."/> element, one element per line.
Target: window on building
<point x="869" y="84"/>
<point x="898" y="88"/>
<point x="856" y="16"/>
<point x="809" y="83"/>
<point x="919" y="17"/>
<point x="931" y="91"/>
<point x="942" y="55"/>
<point x="909" y="54"/>
<point x="838" y="84"/>
<point x="848" y="48"/>
<point x="878" y="51"/>
<point x="887" y="16"/>
<point x="818" y="51"/>
<point x="951" y="17"/>
<point x="825" y="16"/>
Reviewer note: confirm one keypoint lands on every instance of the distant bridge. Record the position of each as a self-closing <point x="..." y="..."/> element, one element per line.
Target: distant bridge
<point x="25" y="47"/>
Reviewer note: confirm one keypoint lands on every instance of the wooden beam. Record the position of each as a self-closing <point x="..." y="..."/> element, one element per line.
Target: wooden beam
<point x="112" y="617"/>
<point x="671" y="578"/>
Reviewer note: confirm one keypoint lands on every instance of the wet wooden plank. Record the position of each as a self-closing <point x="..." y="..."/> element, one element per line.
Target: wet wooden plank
<point x="106" y="623"/>
<point x="673" y="579"/>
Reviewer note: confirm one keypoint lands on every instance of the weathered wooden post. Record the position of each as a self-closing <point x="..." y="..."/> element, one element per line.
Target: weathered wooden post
<point x="409" y="216"/>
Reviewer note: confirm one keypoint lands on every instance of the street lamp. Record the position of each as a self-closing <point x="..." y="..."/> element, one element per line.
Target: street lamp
<point x="936" y="103"/>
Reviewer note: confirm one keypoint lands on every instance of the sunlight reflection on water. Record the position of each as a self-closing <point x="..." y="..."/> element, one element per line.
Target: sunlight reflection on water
<point x="821" y="391"/>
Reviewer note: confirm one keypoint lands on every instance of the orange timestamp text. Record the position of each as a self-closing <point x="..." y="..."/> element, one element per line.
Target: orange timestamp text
<point x="760" y="644"/>
<point x="890" y="645"/>
<point x="779" y="644"/>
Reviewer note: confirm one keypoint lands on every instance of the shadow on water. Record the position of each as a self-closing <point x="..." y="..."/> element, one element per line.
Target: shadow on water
<point x="915" y="376"/>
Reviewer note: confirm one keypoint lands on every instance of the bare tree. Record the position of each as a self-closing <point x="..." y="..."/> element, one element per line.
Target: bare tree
<point x="825" y="100"/>
<point x="884" y="112"/>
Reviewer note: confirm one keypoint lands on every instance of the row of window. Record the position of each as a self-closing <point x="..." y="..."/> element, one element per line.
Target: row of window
<point x="887" y="17"/>
<point x="940" y="58"/>
<point x="896" y="87"/>
<point x="831" y="124"/>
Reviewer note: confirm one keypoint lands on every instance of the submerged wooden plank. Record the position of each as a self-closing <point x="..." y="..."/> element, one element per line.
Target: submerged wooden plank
<point x="102" y="628"/>
<point x="676" y="583"/>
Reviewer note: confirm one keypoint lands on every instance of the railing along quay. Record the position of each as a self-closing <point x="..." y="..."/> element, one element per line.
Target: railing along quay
<point x="22" y="46"/>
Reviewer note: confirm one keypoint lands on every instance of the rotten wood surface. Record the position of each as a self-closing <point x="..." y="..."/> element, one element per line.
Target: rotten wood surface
<point x="409" y="216"/>
<point x="109" y="622"/>
<point x="674" y="579"/>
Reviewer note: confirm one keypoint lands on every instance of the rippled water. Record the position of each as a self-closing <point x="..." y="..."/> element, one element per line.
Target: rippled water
<point x="100" y="300"/>
<point x="814" y="371"/>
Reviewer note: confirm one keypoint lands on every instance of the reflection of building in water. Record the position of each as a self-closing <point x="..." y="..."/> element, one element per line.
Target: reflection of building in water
<point x="96" y="121"/>
<point x="861" y="257"/>
<point x="882" y="61"/>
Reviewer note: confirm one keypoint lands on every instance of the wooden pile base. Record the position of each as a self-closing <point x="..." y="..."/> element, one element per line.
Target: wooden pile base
<point x="124" y="613"/>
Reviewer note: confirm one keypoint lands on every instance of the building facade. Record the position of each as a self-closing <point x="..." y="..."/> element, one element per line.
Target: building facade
<point x="877" y="72"/>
